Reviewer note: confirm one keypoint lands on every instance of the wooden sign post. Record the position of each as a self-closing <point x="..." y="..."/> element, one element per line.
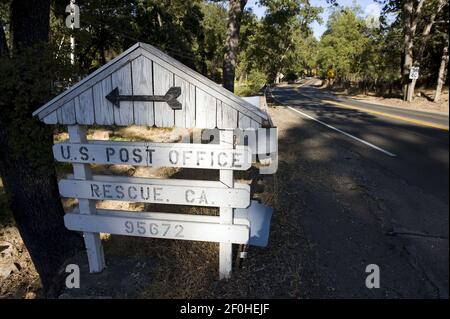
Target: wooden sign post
<point x="144" y="86"/>
<point x="96" y="258"/>
<point x="226" y="213"/>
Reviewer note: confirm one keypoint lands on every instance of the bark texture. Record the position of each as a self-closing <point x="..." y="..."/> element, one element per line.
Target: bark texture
<point x="442" y="73"/>
<point x="425" y="36"/>
<point x="26" y="165"/>
<point x="235" y="11"/>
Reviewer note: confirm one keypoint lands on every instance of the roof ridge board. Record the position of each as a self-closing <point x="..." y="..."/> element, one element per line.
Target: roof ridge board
<point x="86" y="79"/>
<point x="239" y="102"/>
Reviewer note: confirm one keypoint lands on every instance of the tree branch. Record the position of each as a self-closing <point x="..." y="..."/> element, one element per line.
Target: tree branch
<point x="416" y="16"/>
<point x="3" y="45"/>
<point x="426" y="32"/>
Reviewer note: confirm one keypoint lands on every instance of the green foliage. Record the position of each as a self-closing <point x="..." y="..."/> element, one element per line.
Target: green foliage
<point x="194" y="32"/>
<point x="252" y="84"/>
<point x="25" y="85"/>
<point x="110" y="27"/>
<point x="343" y="43"/>
<point x="283" y="38"/>
<point x="357" y="52"/>
<point x="215" y="29"/>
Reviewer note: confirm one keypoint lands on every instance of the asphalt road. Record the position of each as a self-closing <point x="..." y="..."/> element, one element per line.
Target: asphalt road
<point x="375" y="191"/>
<point x="427" y="118"/>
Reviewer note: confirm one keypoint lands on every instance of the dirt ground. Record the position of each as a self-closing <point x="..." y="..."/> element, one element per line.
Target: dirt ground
<point x="158" y="268"/>
<point x="18" y="278"/>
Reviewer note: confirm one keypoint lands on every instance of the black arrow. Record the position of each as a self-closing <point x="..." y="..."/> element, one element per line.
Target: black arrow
<point x="170" y="98"/>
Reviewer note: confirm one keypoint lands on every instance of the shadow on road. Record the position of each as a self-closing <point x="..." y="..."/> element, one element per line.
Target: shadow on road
<point x="360" y="206"/>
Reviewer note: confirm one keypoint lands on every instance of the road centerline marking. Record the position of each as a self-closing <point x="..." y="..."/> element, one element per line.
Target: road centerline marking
<point x="336" y="129"/>
<point x="393" y="116"/>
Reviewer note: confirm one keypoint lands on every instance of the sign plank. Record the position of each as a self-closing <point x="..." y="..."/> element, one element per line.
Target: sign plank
<point x="206" y="156"/>
<point x="237" y="220"/>
<point x="258" y="216"/>
<point x="104" y="110"/>
<point x="205" y="109"/>
<point x="136" y="225"/>
<point x="84" y="108"/>
<point x="121" y="78"/>
<point x="143" y="84"/>
<point x="183" y="192"/>
<point x="162" y="81"/>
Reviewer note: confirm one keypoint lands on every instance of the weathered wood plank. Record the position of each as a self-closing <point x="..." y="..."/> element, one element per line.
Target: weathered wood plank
<point x="253" y="124"/>
<point x="104" y="109"/>
<point x="244" y="121"/>
<point x="157" y="191"/>
<point x="167" y="182"/>
<point x="219" y="113"/>
<point x="202" y="82"/>
<point x="205" y="106"/>
<point x="237" y="220"/>
<point x="164" y="61"/>
<point x="267" y="140"/>
<point x="248" y="137"/>
<point x="227" y="117"/>
<point x="94" y="249"/>
<point x="186" y="116"/>
<point x="226" y="213"/>
<point x="98" y="75"/>
<point x="254" y="100"/>
<point x="52" y="118"/>
<point x="135" y="225"/>
<point x="84" y="108"/>
<point x="208" y="156"/>
<point x="162" y="81"/>
<point x="66" y="114"/>
<point x="121" y="79"/>
<point x="143" y="85"/>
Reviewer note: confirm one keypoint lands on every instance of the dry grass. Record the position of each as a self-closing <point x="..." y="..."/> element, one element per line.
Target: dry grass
<point x="23" y="281"/>
<point x="189" y="269"/>
<point x="159" y="268"/>
<point x="180" y="269"/>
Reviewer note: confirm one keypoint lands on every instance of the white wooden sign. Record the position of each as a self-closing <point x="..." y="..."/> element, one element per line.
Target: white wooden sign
<point x="160" y="191"/>
<point x="134" y="224"/>
<point x="144" y="86"/>
<point x="206" y="156"/>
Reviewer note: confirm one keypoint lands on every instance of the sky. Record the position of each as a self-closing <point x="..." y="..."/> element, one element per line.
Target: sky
<point x="319" y="29"/>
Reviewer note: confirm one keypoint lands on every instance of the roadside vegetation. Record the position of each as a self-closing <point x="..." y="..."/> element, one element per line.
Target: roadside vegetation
<point x="375" y="56"/>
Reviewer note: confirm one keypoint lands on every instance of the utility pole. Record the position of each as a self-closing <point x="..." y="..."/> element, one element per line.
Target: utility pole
<point x="72" y="22"/>
<point x="72" y="38"/>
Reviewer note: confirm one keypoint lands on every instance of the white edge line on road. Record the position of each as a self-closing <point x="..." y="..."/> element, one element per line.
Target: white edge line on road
<point x="335" y="128"/>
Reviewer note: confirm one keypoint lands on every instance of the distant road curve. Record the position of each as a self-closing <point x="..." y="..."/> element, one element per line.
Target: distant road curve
<point x="436" y="120"/>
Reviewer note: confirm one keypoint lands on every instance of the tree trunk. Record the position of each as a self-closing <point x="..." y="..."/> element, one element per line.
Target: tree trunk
<point x="26" y="164"/>
<point x="408" y="45"/>
<point x="442" y="74"/>
<point x="235" y="10"/>
<point x="426" y="33"/>
<point x="3" y="46"/>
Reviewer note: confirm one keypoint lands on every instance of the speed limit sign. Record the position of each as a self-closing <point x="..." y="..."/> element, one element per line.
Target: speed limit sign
<point x="414" y="73"/>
